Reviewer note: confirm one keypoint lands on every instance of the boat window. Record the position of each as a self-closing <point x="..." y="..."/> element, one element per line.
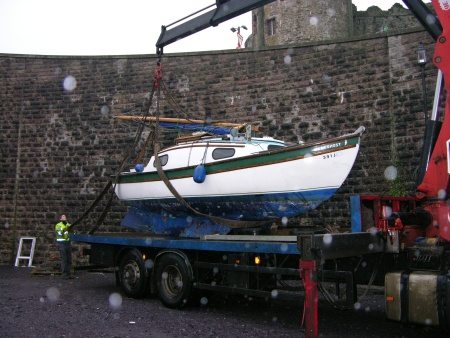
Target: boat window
<point x="164" y="159"/>
<point x="220" y="153"/>
<point x="273" y="147"/>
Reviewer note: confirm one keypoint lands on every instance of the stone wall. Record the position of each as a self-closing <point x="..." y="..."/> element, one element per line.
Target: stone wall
<point x="374" y="20"/>
<point x="60" y="143"/>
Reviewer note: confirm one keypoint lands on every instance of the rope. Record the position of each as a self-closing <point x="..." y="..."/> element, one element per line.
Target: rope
<point x="126" y="158"/>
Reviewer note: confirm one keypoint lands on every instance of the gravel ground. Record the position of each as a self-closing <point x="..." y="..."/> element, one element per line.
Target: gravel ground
<point x="90" y="305"/>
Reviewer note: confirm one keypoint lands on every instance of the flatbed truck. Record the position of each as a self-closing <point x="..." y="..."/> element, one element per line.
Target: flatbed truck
<point x="251" y="265"/>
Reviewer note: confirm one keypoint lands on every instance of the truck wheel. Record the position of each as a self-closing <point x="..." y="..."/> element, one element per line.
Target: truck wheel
<point x="132" y="275"/>
<point x="173" y="281"/>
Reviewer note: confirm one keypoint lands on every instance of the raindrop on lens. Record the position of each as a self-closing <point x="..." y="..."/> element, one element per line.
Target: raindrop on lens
<point x="442" y="194"/>
<point x="164" y="275"/>
<point x="203" y="300"/>
<point x="327" y="239"/>
<point x="314" y="21"/>
<point x="390" y="173"/>
<point x="104" y="110"/>
<point x="331" y="12"/>
<point x="284" y="247"/>
<point x="148" y="241"/>
<point x="215" y="271"/>
<point x="69" y="83"/>
<point x="274" y="319"/>
<point x="430" y="19"/>
<point x="357" y="306"/>
<point x="115" y="300"/>
<point x="149" y="264"/>
<point x="287" y="59"/>
<point x="274" y="293"/>
<point x="189" y="219"/>
<point x="284" y="221"/>
<point x="53" y="294"/>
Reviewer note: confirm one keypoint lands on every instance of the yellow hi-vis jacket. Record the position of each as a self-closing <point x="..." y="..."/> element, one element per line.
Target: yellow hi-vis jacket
<point x="62" y="232"/>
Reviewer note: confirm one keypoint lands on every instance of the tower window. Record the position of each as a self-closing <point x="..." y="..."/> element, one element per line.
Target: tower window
<point x="271" y="27"/>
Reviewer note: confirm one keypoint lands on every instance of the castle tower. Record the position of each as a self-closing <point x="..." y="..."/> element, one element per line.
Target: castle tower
<point x="294" y="21"/>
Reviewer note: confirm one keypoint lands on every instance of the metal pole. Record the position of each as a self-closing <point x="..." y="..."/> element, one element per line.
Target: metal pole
<point x="308" y="272"/>
<point x="424" y="93"/>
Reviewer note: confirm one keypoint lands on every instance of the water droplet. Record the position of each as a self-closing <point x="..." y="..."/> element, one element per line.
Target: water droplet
<point x="331" y="11"/>
<point x="284" y="247"/>
<point x="215" y="271"/>
<point x="164" y="275"/>
<point x="431" y="19"/>
<point x="53" y="294"/>
<point x="314" y="20"/>
<point x="442" y="194"/>
<point x="357" y="306"/>
<point x="149" y="264"/>
<point x="326" y="78"/>
<point x="69" y="83"/>
<point x="363" y="264"/>
<point x="203" y="300"/>
<point x="274" y="293"/>
<point x="148" y="241"/>
<point x="189" y="219"/>
<point x="327" y="239"/>
<point x="391" y="173"/>
<point x="367" y="309"/>
<point x="115" y="300"/>
<point x="428" y="321"/>
<point x="309" y="158"/>
<point x="370" y="246"/>
<point x="284" y="221"/>
<point x="104" y="110"/>
<point x="287" y="59"/>
<point x="274" y="319"/>
<point x="224" y="257"/>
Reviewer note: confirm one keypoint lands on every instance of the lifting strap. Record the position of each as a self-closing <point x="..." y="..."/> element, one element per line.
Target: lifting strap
<point x="234" y="224"/>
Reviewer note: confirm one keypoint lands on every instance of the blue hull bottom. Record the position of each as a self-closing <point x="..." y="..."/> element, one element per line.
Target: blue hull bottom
<point x="169" y="217"/>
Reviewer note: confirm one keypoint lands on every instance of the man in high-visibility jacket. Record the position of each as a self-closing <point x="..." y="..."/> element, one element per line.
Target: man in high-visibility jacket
<point x="64" y="246"/>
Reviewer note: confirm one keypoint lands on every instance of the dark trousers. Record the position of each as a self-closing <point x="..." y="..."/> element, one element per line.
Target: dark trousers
<point x="65" y="249"/>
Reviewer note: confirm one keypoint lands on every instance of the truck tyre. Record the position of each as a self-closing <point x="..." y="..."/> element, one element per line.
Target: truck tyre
<point x="133" y="275"/>
<point x="173" y="281"/>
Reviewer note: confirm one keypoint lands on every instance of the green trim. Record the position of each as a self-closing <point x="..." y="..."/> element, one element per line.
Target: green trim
<point x="281" y="155"/>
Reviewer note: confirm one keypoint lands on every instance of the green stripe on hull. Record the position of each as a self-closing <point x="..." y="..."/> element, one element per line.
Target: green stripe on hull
<point x="264" y="158"/>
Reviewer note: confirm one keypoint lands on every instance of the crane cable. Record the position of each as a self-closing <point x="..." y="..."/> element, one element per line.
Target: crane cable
<point x="122" y="164"/>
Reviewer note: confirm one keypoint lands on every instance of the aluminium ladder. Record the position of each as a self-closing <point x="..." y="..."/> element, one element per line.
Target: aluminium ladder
<point x="31" y="254"/>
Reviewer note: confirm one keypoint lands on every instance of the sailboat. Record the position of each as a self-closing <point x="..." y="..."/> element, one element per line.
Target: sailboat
<point x="221" y="178"/>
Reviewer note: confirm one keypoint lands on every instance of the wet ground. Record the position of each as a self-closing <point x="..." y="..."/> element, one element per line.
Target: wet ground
<point x="90" y="305"/>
